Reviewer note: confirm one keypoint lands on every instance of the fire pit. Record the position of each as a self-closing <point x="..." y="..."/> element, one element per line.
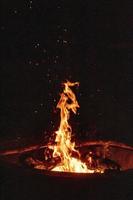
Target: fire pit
<point x="64" y="169"/>
<point x="111" y="156"/>
<point x="24" y="181"/>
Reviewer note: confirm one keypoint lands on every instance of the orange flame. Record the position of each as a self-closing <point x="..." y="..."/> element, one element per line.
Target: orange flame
<point x="64" y="146"/>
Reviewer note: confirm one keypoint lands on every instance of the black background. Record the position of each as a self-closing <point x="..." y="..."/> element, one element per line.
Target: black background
<point x="43" y="43"/>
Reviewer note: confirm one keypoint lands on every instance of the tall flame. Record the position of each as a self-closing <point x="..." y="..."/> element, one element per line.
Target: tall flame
<point x="64" y="146"/>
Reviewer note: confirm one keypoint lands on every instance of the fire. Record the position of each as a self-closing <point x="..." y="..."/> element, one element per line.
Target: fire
<point x="65" y="148"/>
<point x="63" y="155"/>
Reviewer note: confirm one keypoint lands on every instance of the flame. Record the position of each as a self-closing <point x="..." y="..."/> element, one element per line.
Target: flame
<point x="64" y="146"/>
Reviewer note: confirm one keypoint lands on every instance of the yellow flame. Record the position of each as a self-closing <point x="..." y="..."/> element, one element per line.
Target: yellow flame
<point x="64" y="147"/>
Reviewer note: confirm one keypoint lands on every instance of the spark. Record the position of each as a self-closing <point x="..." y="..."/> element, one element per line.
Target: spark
<point x="15" y="11"/>
<point x="36" y="64"/>
<point x="65" y="41"/>
<point x="35" y="111"/>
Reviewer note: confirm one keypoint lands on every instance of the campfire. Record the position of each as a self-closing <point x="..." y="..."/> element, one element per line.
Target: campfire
<point x="63" y="155"/>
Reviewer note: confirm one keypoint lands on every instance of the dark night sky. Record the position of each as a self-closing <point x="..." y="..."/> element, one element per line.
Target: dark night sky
<point x="46" y="42"/>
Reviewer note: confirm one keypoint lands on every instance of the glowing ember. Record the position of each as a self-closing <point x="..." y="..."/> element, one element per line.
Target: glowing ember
<point x="65" y="148"/>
